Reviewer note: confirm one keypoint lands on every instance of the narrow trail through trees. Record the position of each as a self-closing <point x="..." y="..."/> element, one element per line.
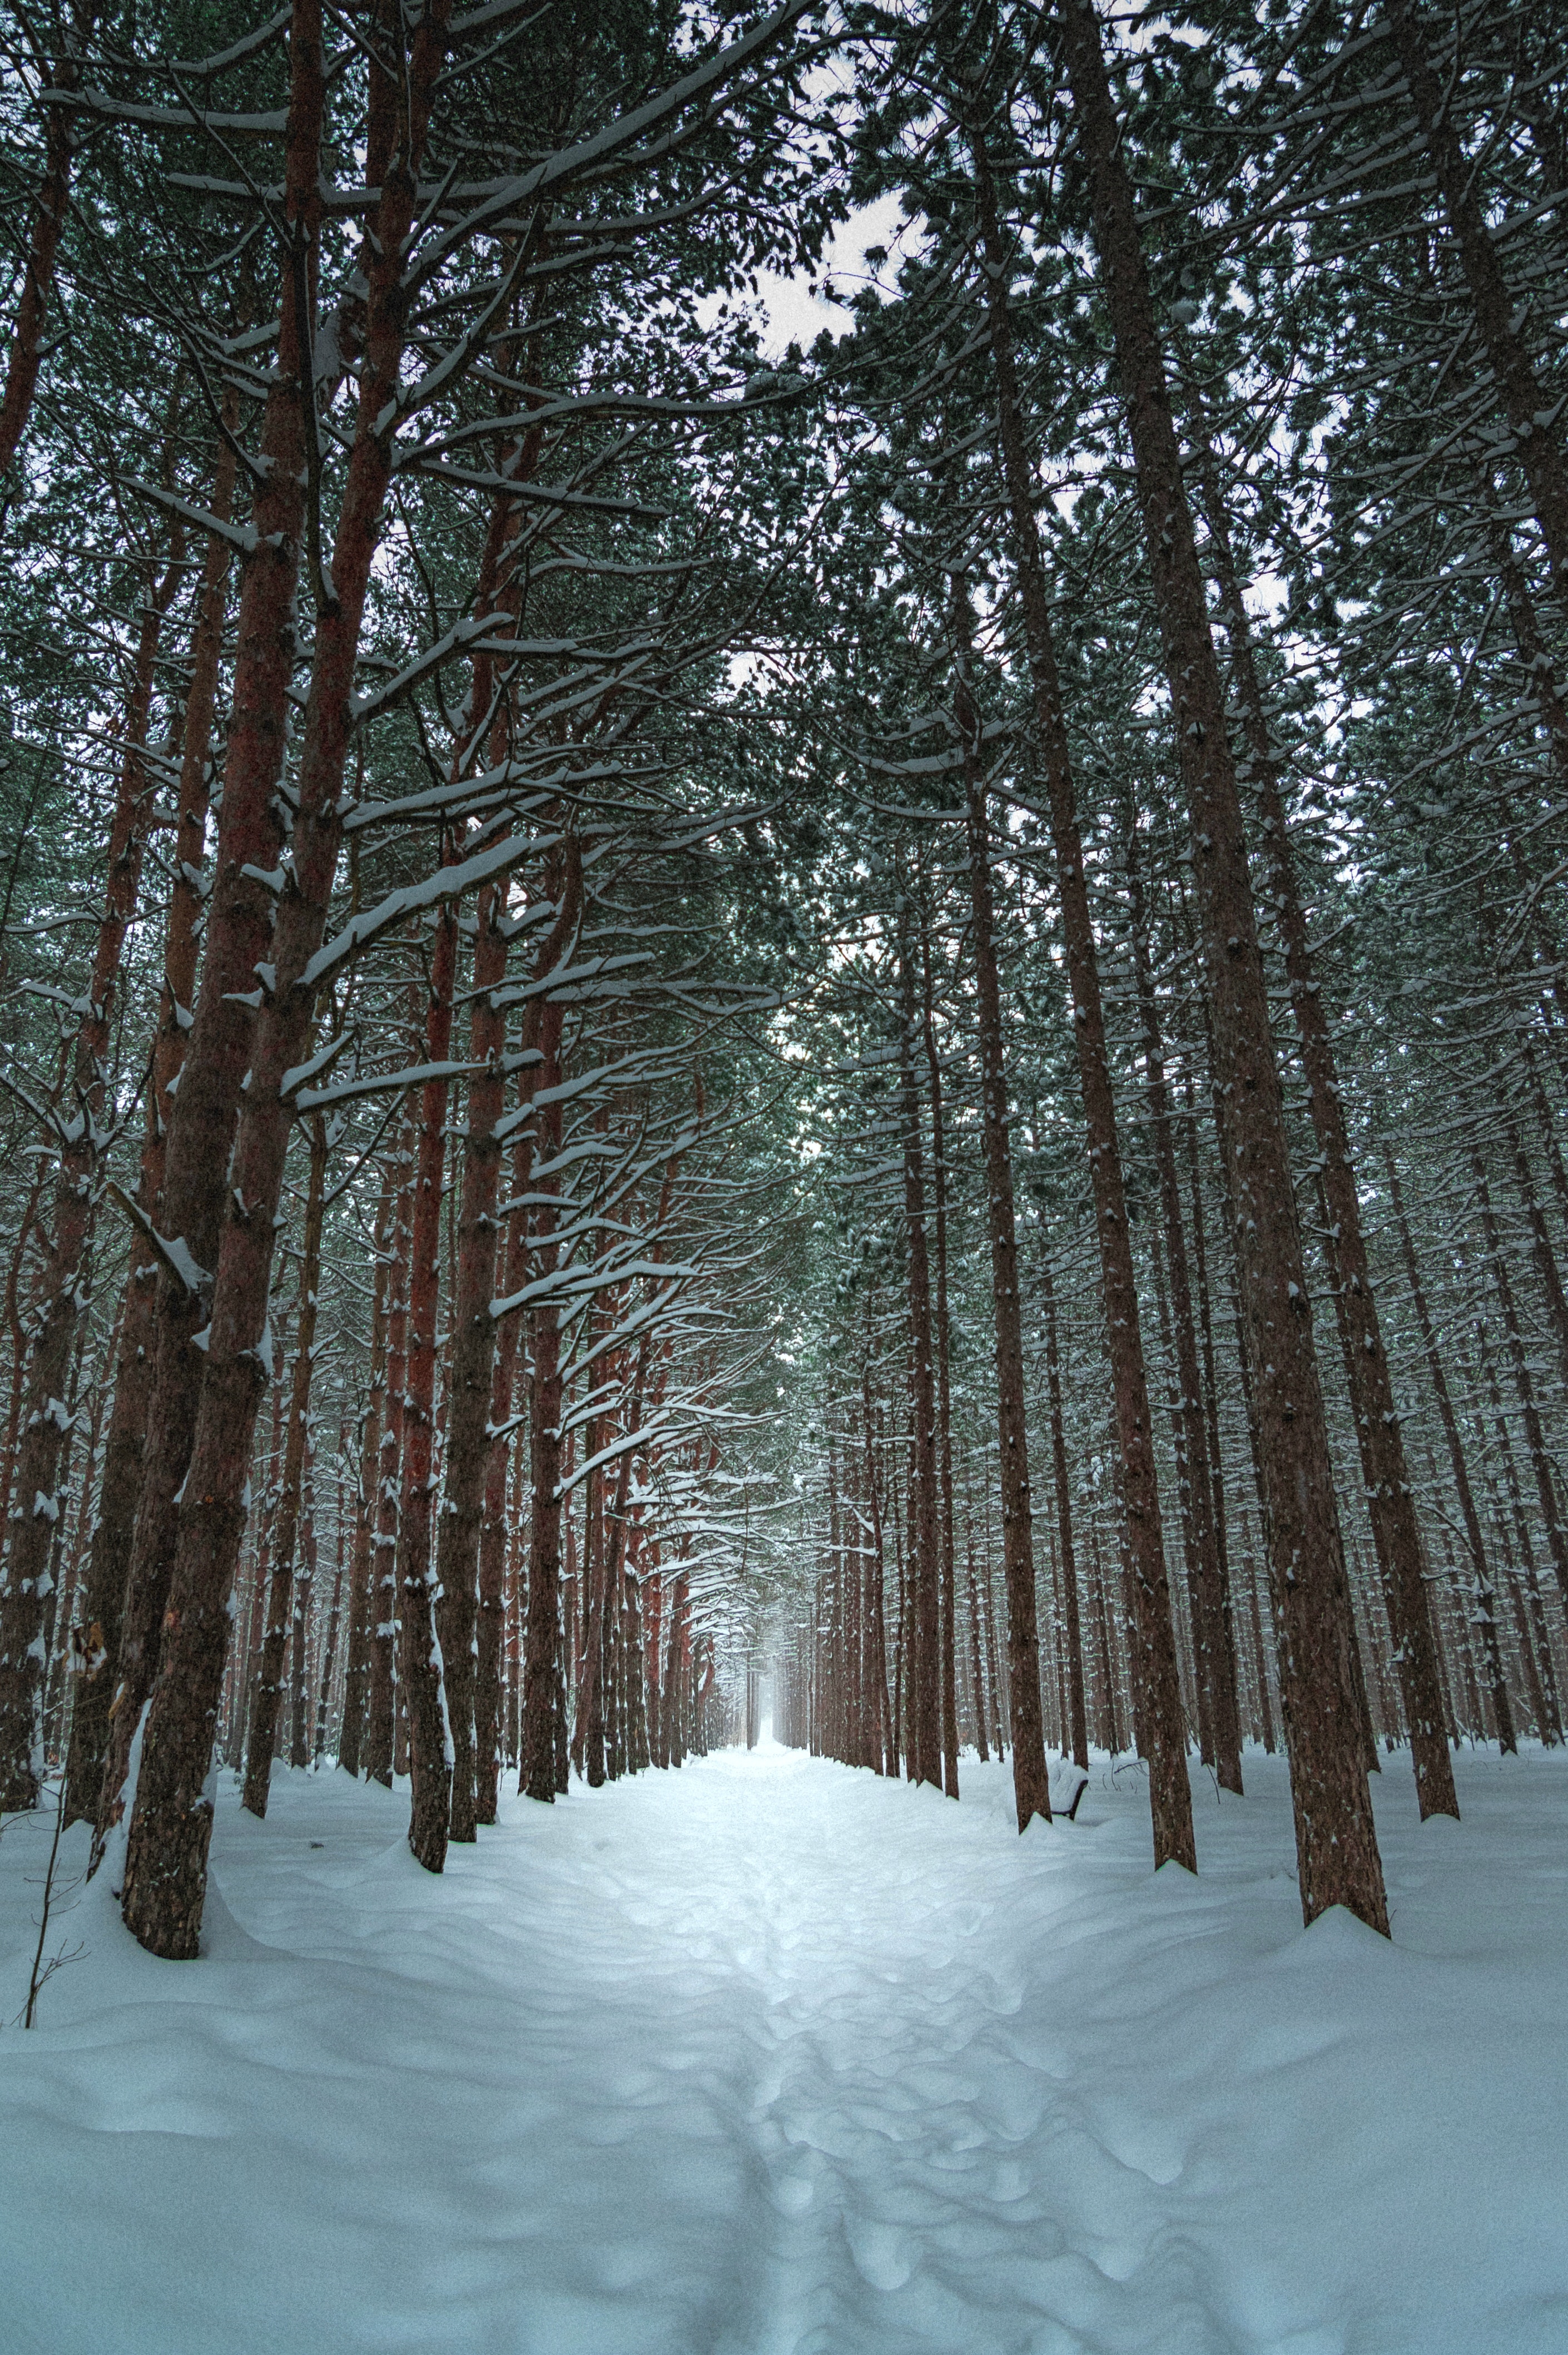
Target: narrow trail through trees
<point x="771" y="2057"/>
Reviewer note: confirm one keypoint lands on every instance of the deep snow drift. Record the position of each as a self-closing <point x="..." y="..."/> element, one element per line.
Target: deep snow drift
<point x="772" y="2057"/>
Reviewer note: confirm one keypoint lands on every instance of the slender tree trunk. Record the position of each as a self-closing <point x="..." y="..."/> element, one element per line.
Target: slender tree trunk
<point x="1335" y="1842"/>
<point x="280" y="1591"/>
<point x="949" y="1600"/>
<point x="1077" y="1714"/>
<point x="1215" y="1665"/>
<point x="1535" y="1435"/>
<point x="925" y="1705"/>
<point x="380" y="1740"/>
<point x="419" y="1663"/>
<point x="542" y="1640"/>
<point x="1032" y="1786"/>
<point x="362" y="1595"/>
<point x="1151" y="1632"/>
<point x="1391" y="1497"/>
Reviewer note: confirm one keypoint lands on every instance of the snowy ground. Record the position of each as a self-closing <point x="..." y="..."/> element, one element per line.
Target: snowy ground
<point x="772" y="2057"/>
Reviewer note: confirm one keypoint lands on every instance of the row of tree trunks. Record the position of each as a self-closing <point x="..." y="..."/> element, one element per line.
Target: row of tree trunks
<point x="81" y="1130"/>
<point x="237" y="933"/>
<point x="1337" y="1844"/>
<point x="171" y="1822"/>
<point x="1391" y="1501"/>
<point x="101" y="1613"/>
<point x="281" y="1604"/>
<point x="1156" y="1687"/>
<point x="1032" y="1787"/>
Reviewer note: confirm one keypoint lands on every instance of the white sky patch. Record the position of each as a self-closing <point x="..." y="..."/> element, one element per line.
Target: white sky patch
<point x="789" y="308"/>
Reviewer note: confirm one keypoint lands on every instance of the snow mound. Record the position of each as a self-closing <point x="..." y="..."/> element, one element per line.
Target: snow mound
<point x="773" y="2058"/>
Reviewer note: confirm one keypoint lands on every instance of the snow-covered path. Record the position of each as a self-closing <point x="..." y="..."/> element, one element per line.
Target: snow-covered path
<point x="770" y="2058"/>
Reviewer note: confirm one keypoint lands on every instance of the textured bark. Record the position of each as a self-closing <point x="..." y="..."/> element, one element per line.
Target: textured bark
<point x="1529" y="405"/>
<point x="1534" y="1431"/>
<point x="171" y="1824"/>
<point x="280" y="1598"/>
<point x="949" y="1600"/>
<point x="493" y="1530"/>
<point x="380" y="1728"/>
<point x="925" y="1715"/>
<point x="1215" y="1664"/>
<point x="1151" y="1632"/>
<point x="362" y="1557"/>
<point x="1032" y="1786"/>
<point x="299" y="1616"/>
<point x="541" y="1644"/>
<point x="238" y="935"/>
<point x="473" y="1358"/>
<point x="1482" y="1615"/>
<point x="82" y="1131"/>
<point x="1077" y="1713"/>
<point x="1390" y="1499"/>
<point x="50" y="208"/>
<point x="419" y="1659"/>
<point x="1335" y="1842"/>
<point x="100" y="1610"/>
<point x="883" y="1746"/>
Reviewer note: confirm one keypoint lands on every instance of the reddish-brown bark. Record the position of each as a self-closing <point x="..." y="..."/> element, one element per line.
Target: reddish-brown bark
<point x="924" y="1706"/>
<point x="1336" y="1842"/>
<point x="1073" y="1629"/>
<point x="362" y="1556"/>
<point x="1397" y="1533"/>
<point x="50" y="208"/>
<point x="1215" y="1663"/>
<point x="238" y="927"/>
<point x="1032" y="1787"/>
<point x="172" y="1820"/>
<point x="420" y="1664"/>
<point x="100" y="1608"/>
<point x="541" y="1646"/>
<point x="380" y="1735"/>
<point x="268" y="1690"/>
<point x="1164" y="1739"/>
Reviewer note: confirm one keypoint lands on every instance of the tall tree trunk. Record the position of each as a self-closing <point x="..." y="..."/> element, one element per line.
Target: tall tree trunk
<point x="1335" y="1842"/>
<point x="101" y="1608"/>
<point x="1073" y="1630"/>
<point x="949" y="1599"/>
<point x="1216" y="1664"/>
<point x="171" y="1824"/>
<point x="1391" y="1499"/>
<point x="1534" y="1431"/>
<point x="1032" y="1784"/>
<point x="542" y="1637"/>
<point x="419" y="1663"/>
<point x="50" y="208"/>
<point x="381" y="1726"/>
<point x="925" y="1719"/>
<point x="1151" y="1633"/>
<point x="362" y="1596"/>
<point x="238" y="933"/>
<point x="280" y="1590"/>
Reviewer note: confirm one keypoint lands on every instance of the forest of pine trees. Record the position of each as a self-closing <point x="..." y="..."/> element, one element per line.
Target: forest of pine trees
<point x="875" y="1032"/>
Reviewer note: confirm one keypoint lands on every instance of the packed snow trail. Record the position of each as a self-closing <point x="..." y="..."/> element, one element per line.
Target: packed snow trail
<point x="770" y="2057"/>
